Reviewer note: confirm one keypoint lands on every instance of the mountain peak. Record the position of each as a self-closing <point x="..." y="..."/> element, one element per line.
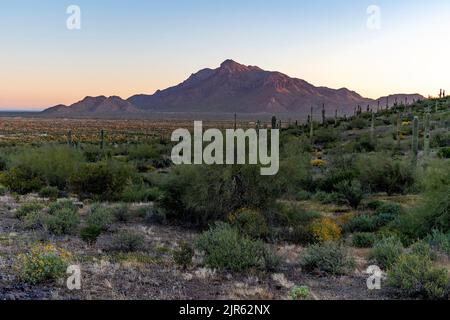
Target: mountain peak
<point x="231" y="65"/>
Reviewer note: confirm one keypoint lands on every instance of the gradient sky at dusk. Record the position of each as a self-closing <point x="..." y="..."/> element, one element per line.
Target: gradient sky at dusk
<point x="128" y="47"/>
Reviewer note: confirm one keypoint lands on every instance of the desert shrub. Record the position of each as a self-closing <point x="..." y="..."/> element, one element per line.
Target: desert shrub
<point x="363" y="239"/>
<point x="155" y="215"/>
<point x="325" y="136"/>
<point x="415" y="276"/>
<point x="444" y="153"/>
<point x="440" y="139"/>
<point x="328" y="257"/>
<point x="100" y="216"/>
<point x="389" y="208"/>
<point x="199" y="195"/>
<point x="324" y="230"/>
<point x="90" y="233"/>
<point x="27" y="208"/>
<point x="56" y="206"/>
<point x="183" y="255"/>
<point x="439" y="241"/>
<point x="423" y="249"/>
<point x="22" y="180"/>
<point x="357" y="123"/>
<point x="386" y="252"/>
<point x="364" y="144"/>
<point x="361" y="223"/>
<point x="104" y="180"/>
<point x="127" y="241"/>
<point x="62" y="221"/>
<point x="3" y="190"/>
<point x="381" y="173"/>
<point x="351" y="191"/>
<point x="52" y="165"/>
<point x="140" y="193"/>
<point x="226" y="248"/>
<point x="299" y="292"/>
<point x="49" y="192"/>
<point x="122" y="212"/>
<point x="341" y="168"/>
<point x="42" y="263"/>
<point x="295" y="173"/>
<point x="250" y="222"/>
<point x="295" y="221"/>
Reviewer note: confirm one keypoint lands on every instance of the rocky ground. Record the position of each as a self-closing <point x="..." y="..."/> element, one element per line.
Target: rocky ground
<point x="153" y="275"/>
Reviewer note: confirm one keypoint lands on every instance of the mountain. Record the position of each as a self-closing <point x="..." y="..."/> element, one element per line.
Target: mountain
<point x="94" y="105"/>
<point x="230" y="88"/>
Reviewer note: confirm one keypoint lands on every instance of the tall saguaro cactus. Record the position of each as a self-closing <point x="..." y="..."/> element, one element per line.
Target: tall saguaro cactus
<point x="69" y="138"/>
<point x="336" y="118"/>
<point x="311" y="125"/>
<point x="323" y="114"/>
<point x="274" y="122"/>
<point x="415" y="138"/>
<point x="372" y="128"/>
<point x="102" y="139"/>
<point x="426" y="136"/>
<point x="398" y="131"/>
<point x="235" y="121"/>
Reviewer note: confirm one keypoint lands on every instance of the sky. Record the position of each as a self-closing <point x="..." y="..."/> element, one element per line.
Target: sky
<point x="128" y="47"/>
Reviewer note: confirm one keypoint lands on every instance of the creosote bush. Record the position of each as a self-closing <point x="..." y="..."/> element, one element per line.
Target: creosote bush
<point x="363" y="239"/>
<point x="328" y="257"/>
<point x="227" y="249"/>
<point x="250" y="222"/>
<point x="127" y="241"/>
<point x="386" y="252"/>
<point x="415" y="276"/>
<point x="183" y="255"/>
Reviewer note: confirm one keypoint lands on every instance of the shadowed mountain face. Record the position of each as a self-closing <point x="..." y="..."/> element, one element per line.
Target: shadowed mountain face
<point x="230" y="88"/>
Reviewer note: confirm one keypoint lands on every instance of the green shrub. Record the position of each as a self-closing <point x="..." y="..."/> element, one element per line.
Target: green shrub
<point x="351" y="191"/>
<point x="183" y="255"/>
<point x="200" y="195"/>
<point x="444" y="153"/>
<point x="225" y="248"/>
<point x="390" y="208"/>
<point x="104" y="180"/>
<point x="41" y="264"/>
<point x="386" y="252"/>
<point x="361" y="223"/>
<point x="363" y="240"/>
<point x="140" y="193"/>
<point x="422" y="249"/>
<point x="52" y="165"/>
<point x="250" y="222"/>
<point x="27" y="208"/>
<point x="57" y="206"/>
<point x="127" y="241"/>
<point x="22" y="180"/>
<point x="381" y="173"/>
<point x="439" y="241"/>
<point x="100" y="216"/>
<point x="3" y="190"/>
<point x="62" y="221"/>
<point x="122" y="212"/>
<point x="299" y="292"/>
<point x="49" y="192"/>
<point x="90" y="233"/>
<point x="415" y="276"/>
<point x="328" y="257"/>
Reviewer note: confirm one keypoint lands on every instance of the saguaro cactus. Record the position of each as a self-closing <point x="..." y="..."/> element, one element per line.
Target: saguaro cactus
<point x="336" y="118"/>
<point x="102" y="139"/>
<point x="323" y="114"/>
<point x="398" y="131"/>
<point x="311" y="125"/>
<point x="274" y="122"/>
<point x="372" y="128"/>
<point x="415" y="138"/>
<point x="69" y="138"/>
<point x="426" y="136"/>
<point x="235" y="121"/>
